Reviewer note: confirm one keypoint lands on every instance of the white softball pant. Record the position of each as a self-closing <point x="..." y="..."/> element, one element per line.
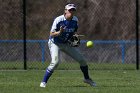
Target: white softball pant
<point x="55" y="54"/>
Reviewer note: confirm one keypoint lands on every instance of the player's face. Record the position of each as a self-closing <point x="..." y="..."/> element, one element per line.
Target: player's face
<point x="69" y="13"/>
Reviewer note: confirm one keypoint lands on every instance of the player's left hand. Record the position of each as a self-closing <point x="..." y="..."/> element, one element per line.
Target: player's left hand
<point x="62" y="29"/>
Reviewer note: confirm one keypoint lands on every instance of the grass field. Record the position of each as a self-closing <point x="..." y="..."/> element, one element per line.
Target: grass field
<point x="66" y="66"/>
<point x="70" y="81"/>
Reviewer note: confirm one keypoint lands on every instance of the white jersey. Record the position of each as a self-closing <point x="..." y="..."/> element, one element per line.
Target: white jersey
<point x="71" y="28"/>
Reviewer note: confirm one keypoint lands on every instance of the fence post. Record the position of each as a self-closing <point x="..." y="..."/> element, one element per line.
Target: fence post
<point x="43" y="51"/>
<point x="24" y="34"/>
<point x="123" y="51"/>
<point x="137" y="34"/>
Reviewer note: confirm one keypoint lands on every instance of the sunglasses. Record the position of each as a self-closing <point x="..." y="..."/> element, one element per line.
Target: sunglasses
<point x="72" y="9"/>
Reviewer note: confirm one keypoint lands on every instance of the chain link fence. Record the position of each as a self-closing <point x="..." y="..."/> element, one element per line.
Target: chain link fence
<point x="109" y="23"/>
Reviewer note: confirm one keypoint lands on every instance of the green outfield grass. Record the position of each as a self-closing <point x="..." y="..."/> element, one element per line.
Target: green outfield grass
<point x="70" y="81"/>
<point x="67" y="66"/>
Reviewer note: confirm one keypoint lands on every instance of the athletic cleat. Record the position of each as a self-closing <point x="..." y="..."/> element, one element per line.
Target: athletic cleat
<point x="43" y="84"/>
<point x="90" y="82"/>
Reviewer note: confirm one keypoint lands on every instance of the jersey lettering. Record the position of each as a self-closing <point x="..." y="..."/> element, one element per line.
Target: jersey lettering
<point x="71" y="27"/>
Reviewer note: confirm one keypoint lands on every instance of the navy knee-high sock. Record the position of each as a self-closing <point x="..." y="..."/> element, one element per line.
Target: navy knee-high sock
<point x="84" y="69"/>
<point x="47" y="75"/>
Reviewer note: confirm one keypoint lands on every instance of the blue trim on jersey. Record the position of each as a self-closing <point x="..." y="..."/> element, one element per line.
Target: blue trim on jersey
<point x="71" y="28"/>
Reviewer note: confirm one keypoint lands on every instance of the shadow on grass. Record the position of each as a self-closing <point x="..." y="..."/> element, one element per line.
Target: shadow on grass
<point x="76" y="86"/>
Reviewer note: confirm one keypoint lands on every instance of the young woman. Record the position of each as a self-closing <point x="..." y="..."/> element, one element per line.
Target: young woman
<point x="63" y="28"/>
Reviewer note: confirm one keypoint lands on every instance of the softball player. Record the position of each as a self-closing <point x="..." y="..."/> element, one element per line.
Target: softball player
<point x="63" y="28"/>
